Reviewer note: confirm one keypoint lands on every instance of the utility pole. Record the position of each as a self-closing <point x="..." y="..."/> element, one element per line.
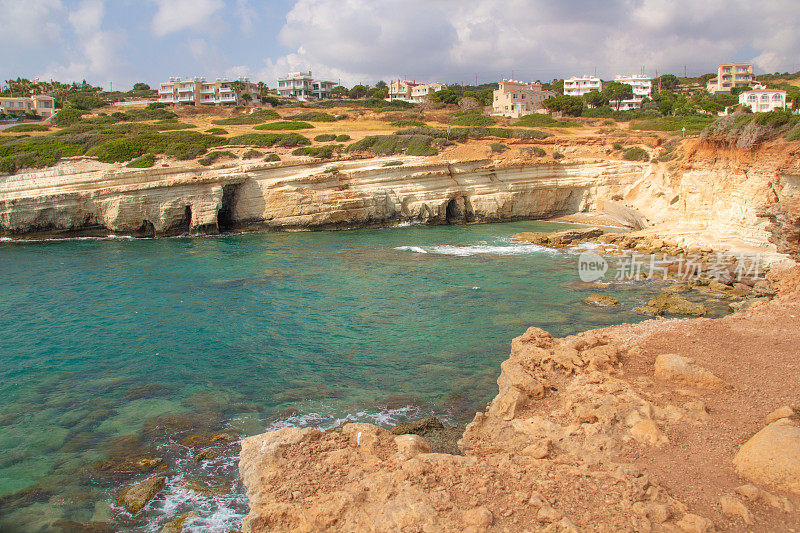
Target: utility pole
<point x="476" y="79"/>
<point x="684" y="71"/>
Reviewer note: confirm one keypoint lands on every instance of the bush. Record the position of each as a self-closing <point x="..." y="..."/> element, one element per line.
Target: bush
<point x="471" y="118"/>
<point x="462" y="134"/>
<point x="284" y="125"/>
<point x="636" y="154"/>
<point x="543" y="120"/>
<point x="145" y="161"/>
<point x="23" y="128"/>
<point x="498" y="147"/>
<point x="558" y="155"/>
<point x="258" y="116"/>
<point x="217" y="131"/>
<point x="67" y="117"/>
<point x="674" y="200"/>
<point x="617" y="146"/>
<point x="395" y="144"/>
<point x="313" y="116"/>
<point x="617" y="197"/>
<point x="393" y="163"/>
<point x="405" y="123"/>
<point x="325" y="137"/>
<point x="342" y="138"/>
<point x="86" y="101"/>
<point x="693" y="124"/>
<point x="272" y="157"/>
<point x="321" y="152"/>
<point x="251" y="154"/>
<point x="534" y="150"/>
<point x="212" y="157"/>
<point x="287" y="140"/>
<point x="148" y="113"/>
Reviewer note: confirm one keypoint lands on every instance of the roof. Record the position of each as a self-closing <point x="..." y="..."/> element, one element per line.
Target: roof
<point x="764" y="91"/>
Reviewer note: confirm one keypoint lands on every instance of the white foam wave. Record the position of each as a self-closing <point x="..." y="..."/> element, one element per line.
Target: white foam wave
<point x="479" y="249"/>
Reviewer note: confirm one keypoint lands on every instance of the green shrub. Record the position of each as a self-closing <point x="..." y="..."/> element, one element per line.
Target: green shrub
<point x="212" y="157"/>
<point x="543" y="120"/>
<point x="636" y="154"/>
<point x="498" y="147"/>
<point x="617" y="197"/>
<point x="395" y="144"/>
<point x="342" y="138"/>
<point x="67" y="117"/>
<point x="693" y="124"/>
<point x="287" y="140"/>
<point x="393" y="163"/>
<point x="217" y="131"/>
<point x="558" y="155"/>
<point x="462" y="134"/>
<point x="325" y="137"/>
<point x="251" y="154"/>
<point x="258" y="116"/>
<point x="406" y="123"/>
<point x="313" y="116"/>
<point x="35" y="152"/>
<point x="148" y="113"/>
<point x="22" y="128"/>
<point x="145" y="161"/>
<point x="118" y="150"/>
<point x="321" y="152"/>
<point x="284" y="125"/>
<point x="344" y="186"/>
<point x="471" y="118"/>
<point x="674" y="200"/>
<point x="171" y="124"/>
<point x="272" y="157"/>
<point x="534" y="150"/>
<point x="617" y="146"/>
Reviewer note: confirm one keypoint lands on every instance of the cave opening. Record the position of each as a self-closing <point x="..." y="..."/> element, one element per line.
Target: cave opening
<point x="186" y="223"/>
<point x="454" y="212"/>
<point x="147" y="229"/>
<point x="225" y="220"/>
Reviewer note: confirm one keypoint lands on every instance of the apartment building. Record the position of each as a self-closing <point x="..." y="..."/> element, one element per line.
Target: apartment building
<point x="642" y="88"/>
<point x="193" y="91"/>
<point x="40" y="104"/>
<point x="303" y="86"/>
<point x="411" y="91"/>
<point x="515" y="98"/>
<point x="761" y="100"/>
<point x="731" y="76"/>
<point x="578" y="86"/>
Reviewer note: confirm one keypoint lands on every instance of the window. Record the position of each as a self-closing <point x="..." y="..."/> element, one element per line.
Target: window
<point x="777" y="97"/>
<point x="752" y="98"/>
<point x="765" y="98"/>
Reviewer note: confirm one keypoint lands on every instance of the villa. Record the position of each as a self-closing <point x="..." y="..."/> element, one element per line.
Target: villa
<point x="761" y="100"/>
<point x="578" y="86"/>
<point x="731" y="76"/>
<point x="197" y="90"/>
<point x="39" y="104"/>
<point x="515" y="98"/>
<point x="411" y="91"/>
<point x="642" y="88"/>
<point x="303" y="86"/>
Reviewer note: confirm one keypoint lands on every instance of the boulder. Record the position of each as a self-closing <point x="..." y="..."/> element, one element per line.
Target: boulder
<point x="411" y="445"/>
<point x="673" y="367"/>
<point x="777" y="414"/>
<point x="772" y="456"/>
<point x="558" y="238"/>
<point x="176" y="525"/>
<point x="135" y="497"/>
<point x="676" y="304"/>
<point x="601" y="300"/>
<point x="733" y="507"/>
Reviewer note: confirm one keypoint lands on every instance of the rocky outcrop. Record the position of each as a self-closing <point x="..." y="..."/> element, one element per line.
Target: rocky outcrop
<point x="256" y="195"/>
<point x="784" y="226"/>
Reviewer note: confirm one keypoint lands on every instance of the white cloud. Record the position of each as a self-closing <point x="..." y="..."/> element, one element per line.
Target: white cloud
<point x="177" y="15"/>
<point x="30" y="23"/>
<point x="247" y="16"/>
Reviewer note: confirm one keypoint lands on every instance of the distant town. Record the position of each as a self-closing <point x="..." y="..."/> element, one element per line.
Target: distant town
<point x="733" y="86"/>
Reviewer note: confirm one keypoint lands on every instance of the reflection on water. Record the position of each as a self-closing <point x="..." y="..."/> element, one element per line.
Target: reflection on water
<point x="125" y="359"/>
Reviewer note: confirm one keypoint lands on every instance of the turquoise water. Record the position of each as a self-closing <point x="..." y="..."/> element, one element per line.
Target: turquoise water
<point x="251" y="332"/>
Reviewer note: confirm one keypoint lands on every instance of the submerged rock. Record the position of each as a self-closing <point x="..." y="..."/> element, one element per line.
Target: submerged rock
<point x="601" y="300"/>
<point x="176" y="526"/>
<point x="558" y="239"/>
<point x="674" y="304"/>
<point x="135" y="497"/>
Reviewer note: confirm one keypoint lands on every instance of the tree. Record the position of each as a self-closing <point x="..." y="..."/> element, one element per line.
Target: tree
<point x="238" y="87"/>
<point x="358" y="91"/>
<point x="595" y="99"/>
<point x="616" y="91"/>
<point x="666" y="82"/>
<point x="381" y="85"/>
<point x="557" y="86"/>
<point x="246" y="97"/>
<point x="378" y="92"/>
<point x="340" y="91"/>
<point x="568" y="105"/>
<point x="141" y="86"/>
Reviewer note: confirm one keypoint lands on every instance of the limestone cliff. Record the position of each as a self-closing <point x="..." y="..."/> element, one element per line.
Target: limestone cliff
<point x="252" y="196"/>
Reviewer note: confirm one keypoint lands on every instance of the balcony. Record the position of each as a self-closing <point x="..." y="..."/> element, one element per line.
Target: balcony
<point x="186" y="98"/>
<point x="165" y="90"/>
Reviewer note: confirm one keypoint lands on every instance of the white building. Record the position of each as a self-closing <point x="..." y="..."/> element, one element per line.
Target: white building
<point x="515" y="98"/>
<point x="193" y="91"/>
<point x="760" y="100"/>
<point x="303" y="86"/>
<point x="411" y="91"/>
<point x="578" y="86"/>
<point x="642" y="88"/>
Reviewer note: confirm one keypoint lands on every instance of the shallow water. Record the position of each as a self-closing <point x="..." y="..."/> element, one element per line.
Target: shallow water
<point x="252" y="332"/>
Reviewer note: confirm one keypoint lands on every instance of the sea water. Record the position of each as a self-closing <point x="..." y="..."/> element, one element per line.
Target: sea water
<point x="254" y="332"/>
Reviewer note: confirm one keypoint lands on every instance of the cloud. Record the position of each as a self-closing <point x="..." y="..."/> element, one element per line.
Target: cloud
<point x="31" y="23"/>
<point x="247" y="16"/>
<point x="177" y="15"/>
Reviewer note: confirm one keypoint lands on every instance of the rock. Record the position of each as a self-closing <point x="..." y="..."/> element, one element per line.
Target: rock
<point x="751" y="492"/>
<point x="601" y="300"/>
<point x="692" y="523"/>
<point x="677" y="305"/>
<point x="478" y="517"/>
<point x="558" y="239"/>
<point x="680" y="287"/>
<point x="647" y="310"/>
<point x="732" y="506"/>
<point x="673" y="367"/>
<point x="539" y="449"/>
<point x="209" y="454"/>
<point x="548" y="514"/>
<point x="135" y="497"/>
<point x="420" y="426"/>
<point x="411" y="445"/>
<point x="646" y="431"/>
<point x="777" y="414"/>
<point x="772" y="456"/>
<point x="176" y="526"/>
<point x="763" y="287"/>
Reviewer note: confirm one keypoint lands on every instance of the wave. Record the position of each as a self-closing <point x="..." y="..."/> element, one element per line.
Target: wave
<point x="479" y="249"/>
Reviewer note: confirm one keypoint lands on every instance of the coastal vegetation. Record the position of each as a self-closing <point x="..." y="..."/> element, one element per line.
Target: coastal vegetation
<point x="413" y="144"/>
<point x="284" y="125"/>
<point x="463" y="134"/>
<point x="213" y="157"/>
<point x="258" y="116"/>
<point x="636" y="153"/>
<point x="472" y="118"/>
<point x="544" y="120"/>
<point x="320" y="152"/>
<point x="25" y="128"/>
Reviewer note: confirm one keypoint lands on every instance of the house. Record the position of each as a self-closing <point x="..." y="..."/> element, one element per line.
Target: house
<point x="515" y="98"/>
<point x="731" y="76"/>
<point x="411" y="91"/>
<point x="193" y="91"/>
<point x="642" y="88"/>
<point x="761" y="100"/>
<point x="303" y="86"/>
<point x="578" y="86"/>
<point x="39" y="104"/>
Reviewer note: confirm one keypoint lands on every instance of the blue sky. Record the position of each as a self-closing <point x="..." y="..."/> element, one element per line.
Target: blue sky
<point x="124" y="41"/>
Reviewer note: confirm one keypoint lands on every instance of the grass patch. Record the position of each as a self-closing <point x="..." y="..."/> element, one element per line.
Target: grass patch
<point x="342" y="138"/>
<point x="462" y="134"/>
<point x="284" y="125"/>
<point x="313" y="116"/>
<point x="272" y="157"/>
<point x="693" y="124"/>
<point x="395" y="144"/>
<point x="251" y="154"/>
<point x="258" y="116"/>
<point x="498" y="147"/>
<point x="617" y="146"/>
<point x="67" y="117"/>
<point x="325" y="137"/>
<point x="217" y="131"/>
<point x="320" y="152"/>
<point x="636" y="154"/>
<point x="544" y="120"/>
<point x="212" y="157"/>
<point x="145" y="161"/>
<point x="471" y="118"/>
<point x="674" y="200"/>
<point x="407" y="123"/>
<point x="287" y="140"/>
<point x="24" y="128"/>
<point x="393" y="163"/>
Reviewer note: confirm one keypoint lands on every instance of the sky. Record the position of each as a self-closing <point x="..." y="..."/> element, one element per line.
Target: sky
<point x="363" y="41"/>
